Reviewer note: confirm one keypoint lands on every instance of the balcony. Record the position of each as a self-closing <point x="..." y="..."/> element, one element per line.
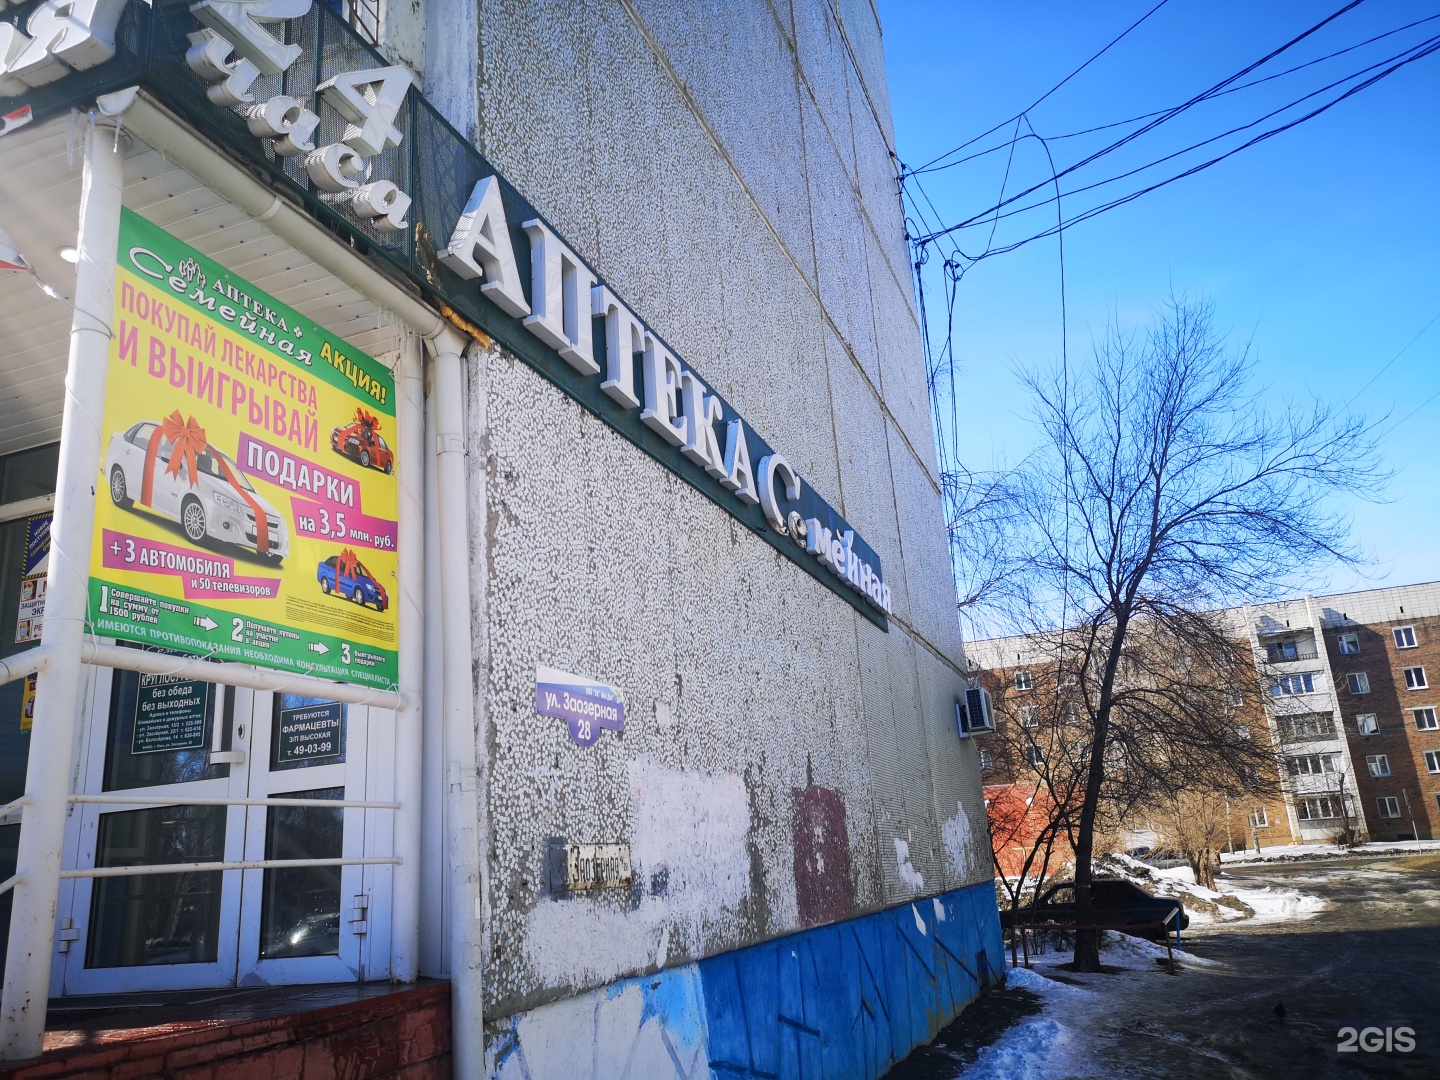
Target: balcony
<point x="1283" y="652"/>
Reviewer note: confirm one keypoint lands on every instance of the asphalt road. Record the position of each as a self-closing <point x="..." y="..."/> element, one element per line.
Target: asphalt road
<point x="1371" y="960"/>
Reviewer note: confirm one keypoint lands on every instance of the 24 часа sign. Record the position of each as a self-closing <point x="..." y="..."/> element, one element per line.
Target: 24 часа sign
<point x="249" y="499"/>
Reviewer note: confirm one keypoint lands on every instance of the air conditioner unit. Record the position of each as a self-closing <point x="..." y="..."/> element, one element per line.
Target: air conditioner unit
<point x="975" y="715"/>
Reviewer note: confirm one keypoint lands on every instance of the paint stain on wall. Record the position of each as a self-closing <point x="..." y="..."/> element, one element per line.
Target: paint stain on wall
<point x="689" y="853"/>
<point x="911" y="878"/>
<point x="957" y="837"/>
<point x="824" y="889"/>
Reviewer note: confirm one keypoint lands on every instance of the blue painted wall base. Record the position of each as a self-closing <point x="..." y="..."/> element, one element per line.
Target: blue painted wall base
<point x="840" y="1002"/>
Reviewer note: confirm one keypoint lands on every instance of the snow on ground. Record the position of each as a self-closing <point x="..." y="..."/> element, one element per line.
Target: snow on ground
<point x="1057" y="1041"/>
<point x="1298" y="852"/>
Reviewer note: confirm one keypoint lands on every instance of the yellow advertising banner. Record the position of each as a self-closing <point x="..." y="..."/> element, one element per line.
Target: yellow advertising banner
<point x="249" y="499"/>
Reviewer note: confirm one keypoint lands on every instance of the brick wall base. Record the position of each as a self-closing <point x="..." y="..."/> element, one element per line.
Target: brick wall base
<point x="400" y="1036"/>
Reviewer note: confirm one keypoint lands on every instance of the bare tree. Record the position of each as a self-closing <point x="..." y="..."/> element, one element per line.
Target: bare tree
<point x="1162" y="492"/>
<point x="1193" y="823"/>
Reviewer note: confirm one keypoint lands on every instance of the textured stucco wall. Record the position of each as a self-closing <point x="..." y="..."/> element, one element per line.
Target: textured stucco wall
<point x="725" y="167"/>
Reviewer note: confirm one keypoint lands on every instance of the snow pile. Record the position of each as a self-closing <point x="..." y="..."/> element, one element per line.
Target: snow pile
<point x="1034" y="1049"/>
<point x="1201" y="904"/>
<point x="1207" y="906"/>
<point x="1124" y="951"/>
<point x="1273" y="904"/>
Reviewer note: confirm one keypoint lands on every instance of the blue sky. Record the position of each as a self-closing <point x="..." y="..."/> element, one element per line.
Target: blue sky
<point x="1321" y="246"/>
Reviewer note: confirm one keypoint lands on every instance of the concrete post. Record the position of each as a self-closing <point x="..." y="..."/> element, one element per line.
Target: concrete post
<point x="52" y="745"/>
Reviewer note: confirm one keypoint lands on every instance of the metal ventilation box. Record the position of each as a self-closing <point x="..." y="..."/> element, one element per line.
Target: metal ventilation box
<point x="974" y="715"/>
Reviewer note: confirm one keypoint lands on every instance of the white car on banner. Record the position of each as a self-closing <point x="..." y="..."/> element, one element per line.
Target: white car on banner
<point x="217" y="503"/>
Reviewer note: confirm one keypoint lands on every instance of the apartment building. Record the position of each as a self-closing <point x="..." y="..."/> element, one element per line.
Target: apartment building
<point x="1350" y="700"/>
<point x="1030" y="700"/>
<point x="1354" y="708"/>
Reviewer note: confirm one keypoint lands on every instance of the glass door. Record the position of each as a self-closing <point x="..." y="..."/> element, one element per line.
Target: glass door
<point x="151" y="740"/>
<point x="172" y="766"/>
<point x="312" y="923"/>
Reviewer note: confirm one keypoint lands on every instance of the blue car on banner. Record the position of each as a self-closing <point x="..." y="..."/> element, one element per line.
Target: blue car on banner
<point x="351" y="581"/>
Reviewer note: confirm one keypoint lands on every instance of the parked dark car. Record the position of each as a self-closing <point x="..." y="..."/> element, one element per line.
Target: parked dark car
<point x="1115" y="903"/>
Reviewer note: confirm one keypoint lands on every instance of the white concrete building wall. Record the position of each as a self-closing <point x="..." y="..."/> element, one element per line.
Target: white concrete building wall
<point x="726" y="168"/>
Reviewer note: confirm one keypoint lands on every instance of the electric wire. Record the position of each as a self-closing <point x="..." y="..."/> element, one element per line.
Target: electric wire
<point x="1424" y="49"/>
<point x="1166" y="116"/>
<point x="1392" y="360"/>
<point x="1159" y="112"/>
<point x="1262" y="137"/>
<point x="1006" y="123"/>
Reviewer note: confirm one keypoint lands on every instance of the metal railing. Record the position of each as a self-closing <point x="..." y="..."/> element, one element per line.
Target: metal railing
<point x="16" y="809"/>
<point x="1162" y="925"/>
<point x="1276" y="654"/>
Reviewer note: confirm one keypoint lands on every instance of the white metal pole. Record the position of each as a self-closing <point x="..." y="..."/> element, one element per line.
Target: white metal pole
<point x="47" y="777"/>
<point x="434" y="932"/>
<point x="462" y="763"/>
<point x="409" y="777"/>
<point x="254" y="678"/>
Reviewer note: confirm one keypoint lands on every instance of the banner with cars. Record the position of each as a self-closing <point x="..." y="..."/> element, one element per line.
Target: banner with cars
<point x="248" y="498"/>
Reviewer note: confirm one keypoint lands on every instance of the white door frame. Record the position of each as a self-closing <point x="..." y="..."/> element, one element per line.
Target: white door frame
<point x="364" y="890"/>
<point x="365" y="898"/>
<point x="70" y="975"/>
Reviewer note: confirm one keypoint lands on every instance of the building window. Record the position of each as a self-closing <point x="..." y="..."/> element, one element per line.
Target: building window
<point x="1367" y="723"/>
<point x="362" y="15"/>
<point x="986" y="761"/>
<point x="1415" y="679"/>
<point x="1378" y="764"/>
<point x="1309" y="726"/>
<point x="1034" y="756"/>
<point x="1404" y="637"/>
<point x="1318" y="808"/>
<point x="1425" y="720"/>
<point x="1259" y="819"/>
<point x="1027" y="716"/>
<point x="1432" y="760"/>
<point x="1293" y="684"/>
<point x="1234" y="698"/>
<point x="1313" y="764"/>
<point x="1349" y="644"/>
<point x="1023" y="681"/>
<point x="1357" y="682"/>
<point x="1389" y="806"/>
